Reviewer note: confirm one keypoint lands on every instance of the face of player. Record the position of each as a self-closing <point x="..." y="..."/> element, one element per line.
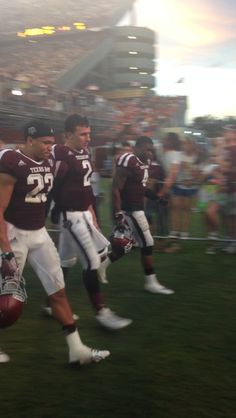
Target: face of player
<point x="145" y="152"/>
<point x="41" y="148"/>
<point x="80" y="138"/>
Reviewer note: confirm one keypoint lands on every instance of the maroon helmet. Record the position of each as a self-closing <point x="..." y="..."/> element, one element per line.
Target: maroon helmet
<point x="12" y="299"/>
<point x="121" y="240"/>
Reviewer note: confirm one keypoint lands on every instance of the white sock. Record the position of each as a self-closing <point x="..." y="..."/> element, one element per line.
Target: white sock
<point x="213" y="235"/>
<point x="74" y="342"/>
<point x="106" y="262"/>
<point x="151" y="278"/>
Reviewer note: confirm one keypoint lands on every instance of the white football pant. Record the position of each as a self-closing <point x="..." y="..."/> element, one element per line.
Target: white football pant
<point x="81" y="240"/>
<point x="139" y="226"/>
<point x="39" y="250"/>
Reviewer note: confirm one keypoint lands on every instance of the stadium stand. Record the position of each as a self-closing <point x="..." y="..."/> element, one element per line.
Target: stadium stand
<point x="38" y="73"/>
<point x="36" y="13"/>
<point x="39" y="61"/>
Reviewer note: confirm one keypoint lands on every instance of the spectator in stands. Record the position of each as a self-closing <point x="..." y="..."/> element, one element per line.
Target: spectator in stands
<point x="210" y="200"/>
<point x="230" y="155"/>
<point x="172" y="159"/>
<point x="185" y="191"/>
<point x="157" y="210"/>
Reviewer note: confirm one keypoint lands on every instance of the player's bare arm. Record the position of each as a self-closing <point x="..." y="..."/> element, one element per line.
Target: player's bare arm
<point x="119" y="180"/>
<point x="169" y="181"/>
<point x="95" y="222"/>
<point x="7" y="183"/>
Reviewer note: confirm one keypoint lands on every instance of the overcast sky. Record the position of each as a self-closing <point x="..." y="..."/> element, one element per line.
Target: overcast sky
<point x="197" y="42"/>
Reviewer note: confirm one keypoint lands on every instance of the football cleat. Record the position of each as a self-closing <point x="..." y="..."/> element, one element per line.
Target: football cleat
<point x="88" y="355"/>
<point x="210" y="250"/>
<point x="230" y="249"/>
<point x="152" y="285"/>
<point x="121" y="239"/>
<point x="111" y="321"/>
<point x="4" y="358"/>
<point x="12" y="298"/>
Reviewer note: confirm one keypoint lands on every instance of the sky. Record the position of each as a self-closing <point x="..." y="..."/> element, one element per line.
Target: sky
<point x="196" y="42"/>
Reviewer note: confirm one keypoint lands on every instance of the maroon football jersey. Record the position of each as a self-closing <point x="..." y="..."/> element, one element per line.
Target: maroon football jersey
<point x="34" y="180"/>
<point x="132" y="194"/>
<point x="73" y="191"/>
<point x="155" y="171"/>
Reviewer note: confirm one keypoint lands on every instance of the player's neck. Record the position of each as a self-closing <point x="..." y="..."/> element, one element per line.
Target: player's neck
<point x="27" y="151"/>
<point x="72" y="147"/>
<point x="141" y="157"/>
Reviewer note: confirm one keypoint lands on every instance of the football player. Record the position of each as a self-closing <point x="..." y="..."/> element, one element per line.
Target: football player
<point x="128" y="192"/>
<point x="80" y="237"/>
<point x="26" y="177"/>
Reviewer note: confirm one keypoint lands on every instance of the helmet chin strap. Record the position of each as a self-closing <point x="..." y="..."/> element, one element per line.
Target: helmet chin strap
<point x="15" y="286"/>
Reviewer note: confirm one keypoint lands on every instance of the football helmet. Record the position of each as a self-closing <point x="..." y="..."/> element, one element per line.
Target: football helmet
<point x="121" y="239"/>
<point x="12" y="298"/>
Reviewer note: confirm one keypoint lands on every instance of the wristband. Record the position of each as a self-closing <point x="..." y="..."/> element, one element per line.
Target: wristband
<point x="7" y="255"/>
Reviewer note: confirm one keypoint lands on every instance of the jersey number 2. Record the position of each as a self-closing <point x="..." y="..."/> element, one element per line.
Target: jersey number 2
<point x="36" y="195"/>
<point x="87" y="175"/>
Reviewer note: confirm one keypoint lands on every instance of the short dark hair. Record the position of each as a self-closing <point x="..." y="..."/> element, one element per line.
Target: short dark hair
<point x="142" y="140"/>
<point x="172" y="141"/>
<point x="75" y="120"/>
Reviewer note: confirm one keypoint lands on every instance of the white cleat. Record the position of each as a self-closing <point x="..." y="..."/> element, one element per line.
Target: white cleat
<point x="102" y="270"/>
<point x="152" y="285"/>
<point x="47" y="310"/>
<point x="4" y="358"/>
<point x="210" y="251"/>
<point x="230" y="249"/>
<point x="88" y="355"/>
<point x="111" y="321"/>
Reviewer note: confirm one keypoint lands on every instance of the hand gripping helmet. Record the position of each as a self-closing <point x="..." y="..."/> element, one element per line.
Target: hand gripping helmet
<point x="121" y="240"/>
<point x="12" y="299"/>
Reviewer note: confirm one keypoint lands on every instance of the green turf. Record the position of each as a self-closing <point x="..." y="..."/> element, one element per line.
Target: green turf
<point x="177" y="359"/>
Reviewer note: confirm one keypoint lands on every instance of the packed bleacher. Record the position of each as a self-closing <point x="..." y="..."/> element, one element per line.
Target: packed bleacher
<point x="149" y="114"/>
<point x="20" y="14"/>
<point x="40" y="61"/>
<point x="30" y="67"/>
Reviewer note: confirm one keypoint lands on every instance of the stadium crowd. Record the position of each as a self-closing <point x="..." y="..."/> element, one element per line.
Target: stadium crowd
<point x="36" y="13"/>
<point x="49" y="58"/>
<point x="188" y="177"/>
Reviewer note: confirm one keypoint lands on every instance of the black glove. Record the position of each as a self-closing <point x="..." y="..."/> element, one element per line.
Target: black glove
<point x="9" y="267"/>
<point x="120" y="219"/>
<point x="163" y="201"/>
<point x="150" y="194"/>
<point x="55" y="215"/>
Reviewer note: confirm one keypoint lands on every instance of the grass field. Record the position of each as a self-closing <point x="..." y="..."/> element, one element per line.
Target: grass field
<point x="177" y="359"/>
